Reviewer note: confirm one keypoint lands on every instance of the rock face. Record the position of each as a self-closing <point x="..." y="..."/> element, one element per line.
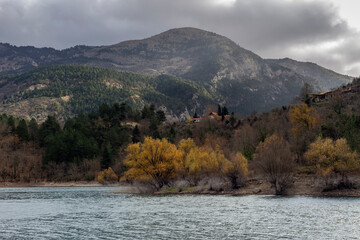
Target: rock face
<point x="232" y="75"/>
<point x="324" y="78"/>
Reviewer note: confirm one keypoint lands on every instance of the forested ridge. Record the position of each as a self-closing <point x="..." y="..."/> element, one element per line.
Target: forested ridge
<point x="120" y="143"/>
<point x="78" y="89"/>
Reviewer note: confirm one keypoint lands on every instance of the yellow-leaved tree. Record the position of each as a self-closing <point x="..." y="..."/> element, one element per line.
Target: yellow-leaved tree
<point x="236" y="170"/>
<point x="303" y="119"/>
<point x="305" y="123"/>
<point x="199" y="162"/>
<point x="333" y="157"/>
<point x="186" y="164"/>
<point x="107" y="175"/>
<point x="153" y="161"/>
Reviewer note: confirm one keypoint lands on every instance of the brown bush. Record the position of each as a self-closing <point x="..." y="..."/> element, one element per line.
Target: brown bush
<point x="274" y="158"/>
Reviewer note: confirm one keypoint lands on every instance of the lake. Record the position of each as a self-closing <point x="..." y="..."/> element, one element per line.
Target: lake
<point x="96" y="212"/>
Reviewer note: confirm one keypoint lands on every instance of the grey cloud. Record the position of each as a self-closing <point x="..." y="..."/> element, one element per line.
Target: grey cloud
<point x="270" y="28"/>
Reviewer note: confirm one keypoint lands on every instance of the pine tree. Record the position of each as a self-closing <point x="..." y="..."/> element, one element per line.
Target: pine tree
<point x="145" y="113"/>
<point x="136" y="134"/>
<point x="51" y="126"/>
<point x="11" y="123"/>
<point x="22" y="130"/>
<point x="160" y="116"/>
<point x="106" y="156"/>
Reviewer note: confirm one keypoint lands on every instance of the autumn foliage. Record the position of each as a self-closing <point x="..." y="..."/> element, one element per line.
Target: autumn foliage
<point x="303" y="118"/>
<point x="305" y="126"/>
<point x="154" y="160"/>
<point x="331" y="156"/>
<point x="107" y="175"/>
<point x="158" y="161"/>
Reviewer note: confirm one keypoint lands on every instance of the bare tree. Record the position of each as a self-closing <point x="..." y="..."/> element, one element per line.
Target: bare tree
<point x="274" y="159"/>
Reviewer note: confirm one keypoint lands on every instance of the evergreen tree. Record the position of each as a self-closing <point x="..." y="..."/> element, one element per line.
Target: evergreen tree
<point x="33" y="130"/>
<point x="105" y="111"/>
<point x="145" y="113"/>
<point x="195" y="115"/>
<point x="11" y="123"/>
<point x="219" y="110"/>
<point x="51" y="126"/>
<point x="136" y="134"/>
<point x="172" y="134"/>
<point x="106" y="156"/>
<point x="152" y="109"/>
<point x="153" y="124"/>
<point x="225" y="111"/>
<point x="160" y="116"/>
<point x="22" y="130"/>
<point x="123" y="111"/>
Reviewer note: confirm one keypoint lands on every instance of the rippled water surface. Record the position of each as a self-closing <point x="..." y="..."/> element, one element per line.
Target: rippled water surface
<point x="93" y="213"/>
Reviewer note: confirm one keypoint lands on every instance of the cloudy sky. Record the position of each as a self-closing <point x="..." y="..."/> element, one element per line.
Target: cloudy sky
<point x="325" y="32"/>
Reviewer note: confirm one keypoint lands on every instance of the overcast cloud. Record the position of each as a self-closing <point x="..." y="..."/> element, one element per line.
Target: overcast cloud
<point x="303" y="30"/>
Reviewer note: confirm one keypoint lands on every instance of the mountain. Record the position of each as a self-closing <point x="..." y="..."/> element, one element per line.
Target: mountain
<point x="231" y="75"/>
<point x="326" y="79"/>
<point x="66" y="90"/>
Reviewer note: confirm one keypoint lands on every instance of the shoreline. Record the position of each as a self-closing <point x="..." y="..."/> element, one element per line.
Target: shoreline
<point x="56" y="184"/>
<point x="303" y="185"/>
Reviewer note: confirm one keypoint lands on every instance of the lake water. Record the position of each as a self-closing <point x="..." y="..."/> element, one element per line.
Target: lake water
<point x="97" y="213"/>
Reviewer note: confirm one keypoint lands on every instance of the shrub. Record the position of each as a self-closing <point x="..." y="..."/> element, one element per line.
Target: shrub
<point x="236" y="170"/>
<point x="275" y="160"/>
<point x="107" y="175"/>
<point x="333" y="158"/>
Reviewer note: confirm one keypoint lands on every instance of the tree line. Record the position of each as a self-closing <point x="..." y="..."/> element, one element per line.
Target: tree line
<point x="118" y="142"/>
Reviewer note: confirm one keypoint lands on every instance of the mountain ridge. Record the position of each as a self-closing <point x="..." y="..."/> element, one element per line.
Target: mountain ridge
<point x="232" y="75"/>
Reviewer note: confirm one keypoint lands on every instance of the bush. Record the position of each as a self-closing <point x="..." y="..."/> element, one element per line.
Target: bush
<point x="275" y="160"/>
<point x="107" y="175"/>
<point x="331" y="159"/>
<point x="236" y="170"/>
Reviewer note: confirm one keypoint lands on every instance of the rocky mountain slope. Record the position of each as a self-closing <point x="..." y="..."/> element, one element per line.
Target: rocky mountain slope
<point x="326" y="79"/>
<point x="66" y="90"/>
<point x="231" y="75"/>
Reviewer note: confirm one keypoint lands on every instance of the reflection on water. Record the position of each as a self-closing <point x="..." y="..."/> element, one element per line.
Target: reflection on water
<point x="93" y="213"/>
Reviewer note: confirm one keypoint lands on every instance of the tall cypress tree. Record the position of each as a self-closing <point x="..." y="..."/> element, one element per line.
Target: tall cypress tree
<point x="219" y="110"/>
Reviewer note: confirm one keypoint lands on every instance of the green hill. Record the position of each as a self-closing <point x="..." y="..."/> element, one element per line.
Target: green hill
<point x="65" y="90"/>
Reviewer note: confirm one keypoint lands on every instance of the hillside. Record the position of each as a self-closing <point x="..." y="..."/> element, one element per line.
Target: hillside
<point x="233" y="76"/>
<point x="67" y="90"/>
<point x="326" y="79"/>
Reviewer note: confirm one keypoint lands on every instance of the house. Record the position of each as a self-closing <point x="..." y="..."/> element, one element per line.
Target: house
<point x="213" y="115"/>
<point x="316" y="97"/>
<point x="196" y="120"/>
